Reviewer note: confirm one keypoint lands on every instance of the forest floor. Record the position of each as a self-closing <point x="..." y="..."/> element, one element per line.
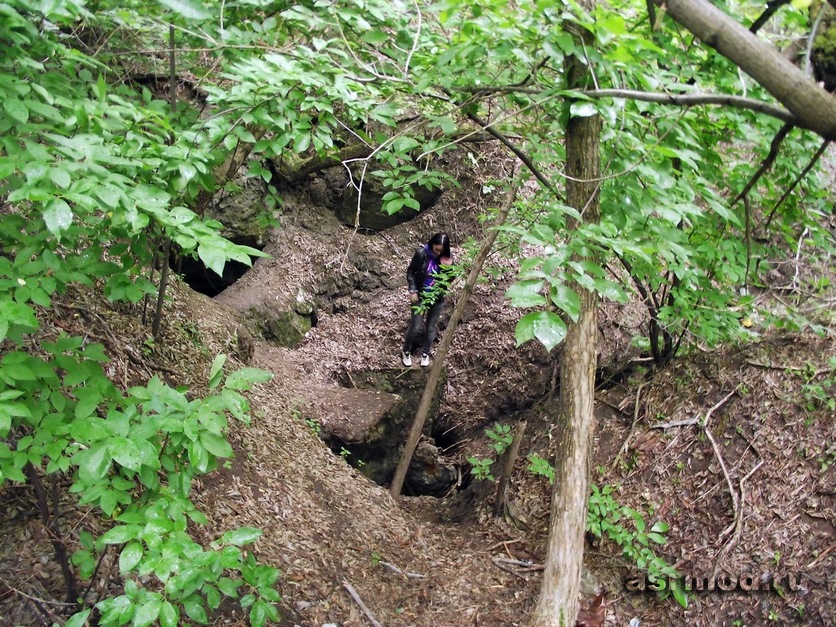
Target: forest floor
<point x="734" y="449"/>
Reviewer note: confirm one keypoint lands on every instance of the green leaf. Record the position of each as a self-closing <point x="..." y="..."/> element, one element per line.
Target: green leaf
<point x="119" y="535"/>
<point x="526" y="293"/>
<point x="723" y="211"/>
<point x="18" y="314"/>
<point x="375" y="37"/>
<point x="189" y="9"/>
<point x="93" y="463"/>
<point x="213" y="597"/>
<point x="302" y="142"/>
<point x="229" y="586"/>
<point x="16" y="109"/>
<point x="258" y="614"/>
<point x="108" y="194"/>
<point x="679" y="594"/>
<point x="212" y="257"/>
<point x="216" y="372"/>
<point x="195" y="610"/>
<point x="660" y="526"/>
<point x="95" y="352"/>
<point x="216" y="445"/>
<point x="169" y="615"/>
<point x="148" y="612"/>
<point x="87" y="404"/>
<point x="125" y="453"/>
<point x="130" y="556"/>
<point x="568" y="300"/>
<point x="247" y="600"/>
<point x="199" y="457"/>
<point x="78" y="620"/>
<point x="58" y="217"/>
<point x="242" y="536"/>
<point x="546" y="326"/>
<point x="20" y="410"/>
<point x="244" y="378"/>
<point x="60" y="177"/>
<point x="582" y="109"/>
<point x="270" y="594"/>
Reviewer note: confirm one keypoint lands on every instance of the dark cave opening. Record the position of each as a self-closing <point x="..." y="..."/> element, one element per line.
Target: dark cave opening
<point x="201" y="279"/>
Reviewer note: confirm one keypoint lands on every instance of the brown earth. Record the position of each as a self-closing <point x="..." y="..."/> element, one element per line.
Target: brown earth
<point x="426" y="561"/>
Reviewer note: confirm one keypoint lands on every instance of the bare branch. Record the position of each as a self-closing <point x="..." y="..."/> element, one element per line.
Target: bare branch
<point x="694" y="99"/>
<point x="520" y="154"/>
<point x="359" y="602"/>
<point x="771" y="7"/>
<point x="779" y="138"/>
<point x="797" y="180"/>
<point x="682" y="100"/>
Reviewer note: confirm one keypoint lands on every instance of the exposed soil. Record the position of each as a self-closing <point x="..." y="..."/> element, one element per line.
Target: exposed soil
<point x="426" y="561"/>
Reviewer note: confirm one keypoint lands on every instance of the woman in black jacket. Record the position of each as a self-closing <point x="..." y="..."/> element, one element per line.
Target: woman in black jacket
<point x="426" y="294"/>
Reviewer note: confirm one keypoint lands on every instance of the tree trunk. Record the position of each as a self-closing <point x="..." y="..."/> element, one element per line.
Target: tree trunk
<point x="559" y="593"/>
<point x="228" y="169"/>
<point x="814" y="108"/>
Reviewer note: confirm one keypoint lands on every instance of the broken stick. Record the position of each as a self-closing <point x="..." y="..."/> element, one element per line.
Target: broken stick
<point x="359" y="602"/>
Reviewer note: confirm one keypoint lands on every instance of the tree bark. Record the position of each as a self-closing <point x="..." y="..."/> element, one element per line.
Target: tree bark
<point x="813" y="107"/>
<point x="558" y="602"/>
<point x="228" y="169"/>
<point x="292" y="171"/>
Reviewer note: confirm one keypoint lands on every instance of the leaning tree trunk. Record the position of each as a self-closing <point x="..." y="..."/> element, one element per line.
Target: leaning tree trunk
<point x="559" y="593"/>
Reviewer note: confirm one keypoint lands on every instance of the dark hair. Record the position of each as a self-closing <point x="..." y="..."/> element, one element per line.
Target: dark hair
<point x="444" y="240"/>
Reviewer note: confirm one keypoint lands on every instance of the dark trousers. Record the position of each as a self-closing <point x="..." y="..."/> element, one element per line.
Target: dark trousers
<point x="415" y="323"/>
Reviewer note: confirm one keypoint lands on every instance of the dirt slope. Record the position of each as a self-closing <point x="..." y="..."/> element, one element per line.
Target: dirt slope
<point x="327" y="523"/>
<point x="433" y="562"/>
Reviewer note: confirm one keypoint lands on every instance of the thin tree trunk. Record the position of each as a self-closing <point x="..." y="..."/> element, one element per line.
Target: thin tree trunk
<point x="444" y="346"/>
<point x="158" y="313"/>
<point x="51" y="525"/>
<point x="508" y="469"/>
<point x="558" y="602"/>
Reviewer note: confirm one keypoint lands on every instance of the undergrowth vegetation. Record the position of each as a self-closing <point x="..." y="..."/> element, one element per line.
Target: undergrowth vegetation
<point x="606" y="518"/>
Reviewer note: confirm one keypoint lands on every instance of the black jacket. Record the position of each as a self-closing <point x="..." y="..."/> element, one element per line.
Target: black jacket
<point x="416" y="273"/>
<point x="417" y="270"/>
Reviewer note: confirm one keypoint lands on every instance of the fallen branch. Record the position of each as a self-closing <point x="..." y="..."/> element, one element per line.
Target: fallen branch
<point x="512" y="562"/>
<point x="821" y="557"/>
<point x="675" y="423"/>
<point x="504" y="544"/>
<point x="33" y="598"/>
<point x="626" y="446"/>
<point x="508" y="569"/>
<point x="359" y="602"/>
<point x="813" y="373"/>
<point x="395" y="569"/>
<point x="718" y="453"/>
<point x="738" y="521"/>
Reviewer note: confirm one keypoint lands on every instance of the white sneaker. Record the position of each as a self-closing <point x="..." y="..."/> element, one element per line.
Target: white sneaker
<point x="425" y="360"/>
<point x="406" y="358"/>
